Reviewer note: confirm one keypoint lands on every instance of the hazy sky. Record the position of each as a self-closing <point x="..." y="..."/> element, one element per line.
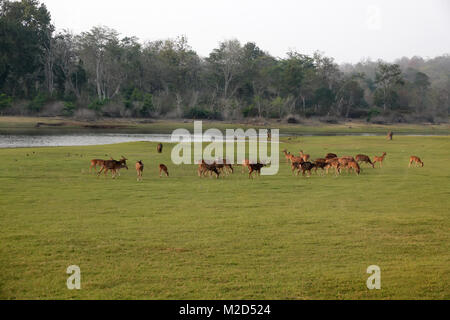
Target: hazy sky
<point x="347" y="30"/>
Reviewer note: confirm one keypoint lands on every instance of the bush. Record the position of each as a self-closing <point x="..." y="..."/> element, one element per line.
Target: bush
<point x="97" y="105"/>
<point x="372" y="113"/>
<point x="37" y="103"/>
<point x="147" y="106"/>
<point x="249" y="112"/>
<point x="5" y="101"/>
<point x="198" y="113"/>
<point x="69" y="108"/>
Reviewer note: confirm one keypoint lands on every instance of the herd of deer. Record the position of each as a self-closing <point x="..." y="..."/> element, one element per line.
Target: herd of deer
<point x="115" y="165"/>
<point x="222" y="166"/>
<point x="331" y="160"/>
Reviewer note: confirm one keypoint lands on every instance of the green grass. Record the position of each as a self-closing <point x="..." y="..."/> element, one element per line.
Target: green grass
<point x="19" y="125"/>
<point x="274" y="237"/>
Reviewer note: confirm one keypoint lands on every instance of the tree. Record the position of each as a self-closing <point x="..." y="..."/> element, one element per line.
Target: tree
<point x="387" y="77"/>
<point x="25" y="33"/>
<point x="101" y="53"/>
<point x="226" y="62"/>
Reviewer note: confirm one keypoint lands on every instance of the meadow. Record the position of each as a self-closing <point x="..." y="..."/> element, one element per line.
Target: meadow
<point x="185" y="237"/>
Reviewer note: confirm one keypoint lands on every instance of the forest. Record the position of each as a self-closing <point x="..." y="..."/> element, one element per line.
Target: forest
<point x="100" y="73"/>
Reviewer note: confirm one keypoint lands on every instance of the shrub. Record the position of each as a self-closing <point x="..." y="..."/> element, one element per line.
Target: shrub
<point x="97" y="105"/>
<point x="37" y="103"/>
<point x="69" y="108"/>
<point x="5" y="101"/>
<point x="372" y="113"/>
<point x="147" y="106"/>
<point x="199" y="113"/>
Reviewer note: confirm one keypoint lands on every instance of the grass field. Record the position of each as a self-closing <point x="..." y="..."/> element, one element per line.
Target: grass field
<point x="12" y="125"/>
<point x="274" y="237"/>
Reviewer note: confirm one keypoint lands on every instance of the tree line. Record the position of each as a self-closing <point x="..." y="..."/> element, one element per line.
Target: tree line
<point x="100" y="73"/>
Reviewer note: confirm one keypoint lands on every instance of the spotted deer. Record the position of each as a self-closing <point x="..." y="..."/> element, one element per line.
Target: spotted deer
<point x="416" y="160"/>
<point x="163" y="169"/>
<point x="379" y="159"/>
<point x="139" y="170"/>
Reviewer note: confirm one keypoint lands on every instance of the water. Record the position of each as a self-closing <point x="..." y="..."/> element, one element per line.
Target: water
<point x="91" y="139"/>
<point x="33" y="141"/>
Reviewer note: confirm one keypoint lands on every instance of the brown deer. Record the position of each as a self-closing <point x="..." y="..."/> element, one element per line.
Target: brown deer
<point x="287" y="155"/>
<point x="204" y="168"/>
<point x="139" y="170"/>
<point x="364" y="158"/>
<point x="379" y="159"/>
<point x="255" y="168"/>
<point x="353" y="165"/>
<point x="320" y="164"/>
<point x="222" y="165"/>
<point x="159" y="148"/>
<point x="333" y="163"/>
<point x="304" y="156"/>
<point x="114" y="166"/>
<point x="95" y="163"/>
<point x="245" y="164"/>
<point x="163" y="168"/>
<point x="304" y="167"/>
<point x="390" y="135"/>
<point x="416" y="161"/>
<point x="331" y="156"/>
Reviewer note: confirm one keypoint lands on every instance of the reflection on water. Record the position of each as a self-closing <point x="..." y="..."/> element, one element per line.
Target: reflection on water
<point x="25" y="141"/>
<point x="86" y="139"/>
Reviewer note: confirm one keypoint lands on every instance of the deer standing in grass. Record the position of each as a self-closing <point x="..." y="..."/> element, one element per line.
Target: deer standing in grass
<point x="415" y="160"/>
<point x="245" y="164"/>
<point x="95" y="163"/>
<point x="304" y="156"/>
<point x="255" y="168"/>
<point x="379" y="159"/>
<point x="353" y="165"/>
<point x="139" y="170"/>
<point x="114" y="166"/>
<point x="204" y="168"/>
<point x="163" y="169"/>
<point x="390" y="135"/>
<point x="287" y="155"/>
<point x="333" y="163"/>
<point x="159" y="148"/>
<point x="364" y="158"/>
<point x="331" y="156"/>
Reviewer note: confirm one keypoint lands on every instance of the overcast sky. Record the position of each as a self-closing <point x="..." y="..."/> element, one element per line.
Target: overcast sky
<point x="347" y="30"/>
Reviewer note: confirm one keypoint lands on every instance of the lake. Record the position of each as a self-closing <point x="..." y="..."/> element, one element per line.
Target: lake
<point x="90" y="139"/>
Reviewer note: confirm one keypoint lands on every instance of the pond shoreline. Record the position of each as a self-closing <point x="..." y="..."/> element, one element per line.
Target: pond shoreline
<point x="14" y="141"/>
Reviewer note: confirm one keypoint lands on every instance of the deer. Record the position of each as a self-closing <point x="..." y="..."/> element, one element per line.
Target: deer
<point x="353" y="165"/>
<point x="159" y="148"/>
<point x="287" y="155"/>
<point x="379" y="159"/>
<point x="223" y="164"/>
<point x="333" y="163"/>
<point x="163" y="168"/>
<point x="331" y="156"/>
<point x="95" y="163"/>
<point x="416" y="160"/>
<point x="304" y="156"/>
<point x="114" y="166"/>
<point x="139" y="170"/>
<point x="320" y="164"/>
<point x="255" y="168"/>
<point x="204" y="168"/>
<point x="364" y="158"/>
<point x="245" y="164"/>
<point x="304" y="167"/>
<point x="390" y="135"/>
